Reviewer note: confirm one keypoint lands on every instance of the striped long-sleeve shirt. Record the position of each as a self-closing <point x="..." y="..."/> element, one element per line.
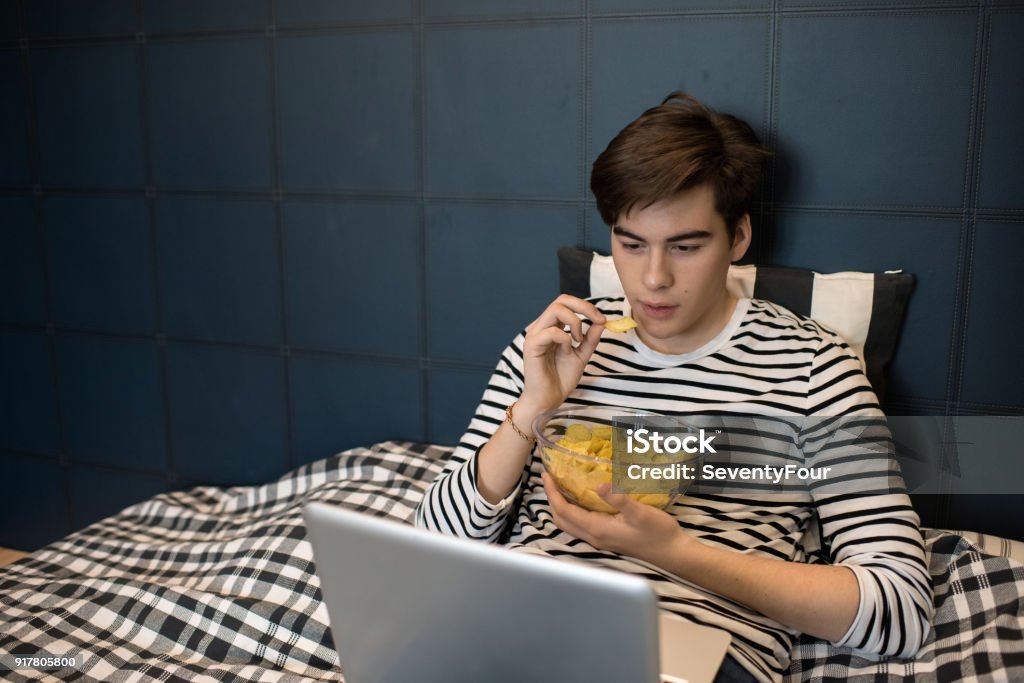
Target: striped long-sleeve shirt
<point x="766" y="361"/>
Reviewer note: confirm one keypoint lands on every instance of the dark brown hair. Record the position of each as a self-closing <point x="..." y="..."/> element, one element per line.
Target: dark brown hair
<point x="673" y="147"/>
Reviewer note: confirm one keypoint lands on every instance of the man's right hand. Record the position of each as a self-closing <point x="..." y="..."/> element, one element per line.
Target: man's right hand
<point x="552" y="364"/>
<point x="552" y="368"/>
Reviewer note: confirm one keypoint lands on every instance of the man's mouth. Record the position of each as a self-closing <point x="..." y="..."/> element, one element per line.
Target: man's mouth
<point x="658" y="310"/>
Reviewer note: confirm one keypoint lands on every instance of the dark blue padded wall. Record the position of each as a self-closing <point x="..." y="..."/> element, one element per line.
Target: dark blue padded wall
<point x="240" y="236"/>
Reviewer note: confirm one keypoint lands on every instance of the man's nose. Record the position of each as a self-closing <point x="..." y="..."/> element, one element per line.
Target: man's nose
<point x="657" y="274"/>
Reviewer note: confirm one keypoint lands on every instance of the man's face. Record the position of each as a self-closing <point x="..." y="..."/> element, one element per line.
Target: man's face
<point x="673" y="258"/>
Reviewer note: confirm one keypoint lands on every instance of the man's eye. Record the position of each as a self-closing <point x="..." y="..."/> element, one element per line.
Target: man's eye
<point x="631" y="246"/>
<point x="684" y="248"/>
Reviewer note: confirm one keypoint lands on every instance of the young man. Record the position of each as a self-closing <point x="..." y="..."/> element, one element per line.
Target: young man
<point x="676" y="187"/>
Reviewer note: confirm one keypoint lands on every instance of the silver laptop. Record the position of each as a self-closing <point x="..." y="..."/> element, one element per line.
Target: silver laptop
<point x="407" y="604"/>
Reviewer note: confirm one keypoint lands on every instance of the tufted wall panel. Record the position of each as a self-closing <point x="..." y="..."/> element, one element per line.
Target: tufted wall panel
<point x="241" y="236"/>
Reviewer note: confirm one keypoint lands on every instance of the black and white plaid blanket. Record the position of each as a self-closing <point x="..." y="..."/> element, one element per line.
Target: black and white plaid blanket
<point x="219" y="584"/>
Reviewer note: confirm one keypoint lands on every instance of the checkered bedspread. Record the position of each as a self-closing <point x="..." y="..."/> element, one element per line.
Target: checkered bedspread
<point x="219" y="584"/>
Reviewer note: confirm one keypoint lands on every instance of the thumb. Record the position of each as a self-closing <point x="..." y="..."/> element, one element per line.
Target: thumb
<point x="590" y="341"/>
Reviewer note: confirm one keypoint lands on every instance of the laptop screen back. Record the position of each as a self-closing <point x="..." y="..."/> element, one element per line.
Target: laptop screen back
<point x="408" y="604"/>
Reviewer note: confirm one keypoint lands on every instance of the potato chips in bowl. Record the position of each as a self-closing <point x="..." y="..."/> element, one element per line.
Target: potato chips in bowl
<point x="578" y="446"/>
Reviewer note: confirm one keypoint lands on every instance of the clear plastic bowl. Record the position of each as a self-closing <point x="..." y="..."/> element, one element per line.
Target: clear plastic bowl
<point x="578" y="466"/>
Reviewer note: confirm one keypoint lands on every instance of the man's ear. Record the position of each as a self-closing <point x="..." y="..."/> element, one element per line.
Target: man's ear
<point x="741" y="238"/>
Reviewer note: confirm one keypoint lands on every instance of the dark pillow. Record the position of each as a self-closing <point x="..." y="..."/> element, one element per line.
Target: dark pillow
<point x="865" y="309"/>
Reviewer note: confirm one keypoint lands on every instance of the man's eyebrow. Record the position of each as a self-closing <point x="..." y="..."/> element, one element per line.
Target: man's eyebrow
<point x="690" y="235"/>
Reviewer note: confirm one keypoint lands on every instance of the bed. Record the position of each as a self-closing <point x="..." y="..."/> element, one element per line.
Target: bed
<point x="219" y="583"/>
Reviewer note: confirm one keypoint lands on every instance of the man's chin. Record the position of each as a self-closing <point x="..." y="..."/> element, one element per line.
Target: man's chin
<point x="657" y="330"/>
<point x="658" y="326"/>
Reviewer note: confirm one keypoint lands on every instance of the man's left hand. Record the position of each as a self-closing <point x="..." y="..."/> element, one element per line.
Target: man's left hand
<point x="638" y="530"/>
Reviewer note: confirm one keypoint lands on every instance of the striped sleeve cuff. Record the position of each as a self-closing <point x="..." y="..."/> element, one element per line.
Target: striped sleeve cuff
<point x="855" y="632"/>
<point x="887" y="623"/>
<point x="483" y="511"/>
<point x="453" y="505"/>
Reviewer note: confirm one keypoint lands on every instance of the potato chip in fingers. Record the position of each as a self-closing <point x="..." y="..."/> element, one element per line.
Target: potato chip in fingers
<point x="620" y="325"/>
